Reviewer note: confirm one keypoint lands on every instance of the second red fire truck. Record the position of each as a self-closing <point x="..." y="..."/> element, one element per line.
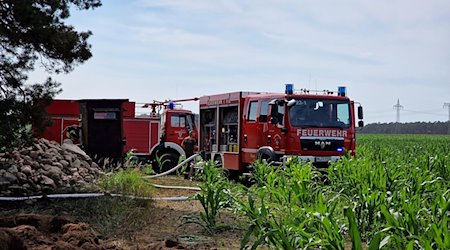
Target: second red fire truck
<point x="109" y="128"/>
<point x="240" y="127"/>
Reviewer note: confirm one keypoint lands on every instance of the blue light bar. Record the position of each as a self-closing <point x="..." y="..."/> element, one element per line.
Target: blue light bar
<point x="171" y="105"/>
<point x="340" y="149"/>
<point x="341" y="91"/>
<point x="289" y="90"/>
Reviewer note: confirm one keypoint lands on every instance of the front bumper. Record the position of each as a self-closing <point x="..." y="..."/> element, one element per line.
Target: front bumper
<point x="313" y="159"/>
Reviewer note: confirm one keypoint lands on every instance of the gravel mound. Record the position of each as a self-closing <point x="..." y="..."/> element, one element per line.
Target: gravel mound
<point x="46" y="167"/>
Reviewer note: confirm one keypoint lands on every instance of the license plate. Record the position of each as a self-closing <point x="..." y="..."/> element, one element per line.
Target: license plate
<point x="323" y="158"/>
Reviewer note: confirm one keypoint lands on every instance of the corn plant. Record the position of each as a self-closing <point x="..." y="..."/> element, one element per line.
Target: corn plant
<point x="394" y="195"/>
<point x="161" y="160"/>
<point x="287" y="210"/>
<point x="215" y="195"/>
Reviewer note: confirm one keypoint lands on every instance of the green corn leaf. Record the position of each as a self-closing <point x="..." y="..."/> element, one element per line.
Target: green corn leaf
<point x="375" y="242"/>
<point x="247" y="236"/>
<point x="354" y="232"/>
<point x="410" y="245"/>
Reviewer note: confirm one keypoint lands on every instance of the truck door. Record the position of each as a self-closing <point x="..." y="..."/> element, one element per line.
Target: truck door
<point x="250" y="137"/>
<point x="176" y="129"/>
<point x="263" y="123"/>
<point x="277" y="131"/>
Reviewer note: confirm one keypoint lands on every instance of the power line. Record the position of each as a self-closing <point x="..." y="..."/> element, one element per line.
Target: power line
<point x="423" y="112"/>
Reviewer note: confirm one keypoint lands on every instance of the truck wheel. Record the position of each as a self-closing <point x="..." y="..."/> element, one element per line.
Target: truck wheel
<point x="218" y="161"/>
<point x="265" y="154"/>
<point x="265" y="157"/>
<point x="164" y="161"/>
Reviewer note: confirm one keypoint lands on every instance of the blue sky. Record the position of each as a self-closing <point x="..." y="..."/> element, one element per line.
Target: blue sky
<point x="382" y="51"/>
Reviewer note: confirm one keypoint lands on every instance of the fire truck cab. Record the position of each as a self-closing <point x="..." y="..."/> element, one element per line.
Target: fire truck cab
<point x="175" y="126"/>
<point x="240" y="127"/>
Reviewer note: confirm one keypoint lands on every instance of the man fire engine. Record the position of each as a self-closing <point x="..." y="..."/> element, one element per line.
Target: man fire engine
<point x="240" y="127"/>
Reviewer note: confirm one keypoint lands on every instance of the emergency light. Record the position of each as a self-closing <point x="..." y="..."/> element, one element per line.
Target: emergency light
<point x="289" y="90"/>
<point x="339" y="149"/>
<point x="341" y="91"/>
<point x="171" y="105"/>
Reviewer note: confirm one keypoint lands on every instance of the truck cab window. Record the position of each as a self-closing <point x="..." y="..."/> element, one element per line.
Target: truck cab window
<point x="178" y="121"/>
<point x="280" y="115"/>
<point x="252" y="111"/>
<point x="263" y="111"/>
<point x="343" y="113"/>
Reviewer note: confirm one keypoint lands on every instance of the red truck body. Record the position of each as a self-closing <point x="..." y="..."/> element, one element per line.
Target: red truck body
<point x="143" y="135"/>
<point x="238" y="128"/>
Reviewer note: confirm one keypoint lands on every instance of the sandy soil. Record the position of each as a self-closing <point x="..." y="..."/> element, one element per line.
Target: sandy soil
<point x="33" y="231"/>
<point x="168" y="223"/>
<point x="166" y="228"/>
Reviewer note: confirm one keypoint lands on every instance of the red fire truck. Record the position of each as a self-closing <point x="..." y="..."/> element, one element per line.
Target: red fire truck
<point x="238" y="128"/>
<point x="110" y="128"/>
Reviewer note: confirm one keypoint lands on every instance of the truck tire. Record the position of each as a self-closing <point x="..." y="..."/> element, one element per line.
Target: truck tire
<point x="168" y="159"/>
<point x="218" y="161"/>
<point x="265" y="154"/>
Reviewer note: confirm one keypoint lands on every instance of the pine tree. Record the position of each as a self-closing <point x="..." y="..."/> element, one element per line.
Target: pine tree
<point x="33" y="32"/>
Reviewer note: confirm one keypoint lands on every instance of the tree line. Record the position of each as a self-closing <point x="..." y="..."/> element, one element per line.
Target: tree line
<point x="406" y="128"/>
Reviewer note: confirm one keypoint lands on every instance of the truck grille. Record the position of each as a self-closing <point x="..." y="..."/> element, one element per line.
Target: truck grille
<point x="321" y="144"/>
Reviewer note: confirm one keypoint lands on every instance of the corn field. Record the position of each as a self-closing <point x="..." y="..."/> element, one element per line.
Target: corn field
<point x="394" y="195"/>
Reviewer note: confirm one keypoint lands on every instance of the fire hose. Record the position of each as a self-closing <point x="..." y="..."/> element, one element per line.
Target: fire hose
<point x="192" y="157"/>
<point x="89" y="195"/>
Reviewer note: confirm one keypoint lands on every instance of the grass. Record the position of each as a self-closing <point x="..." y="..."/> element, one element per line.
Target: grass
<point x="128" y="181"/>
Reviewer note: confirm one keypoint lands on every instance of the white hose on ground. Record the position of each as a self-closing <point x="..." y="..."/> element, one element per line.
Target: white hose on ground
<point x="90" y="195"/>
<point x="177" y="187"/>
<point x="171" y="170"/>
<point x="176" y="198"/>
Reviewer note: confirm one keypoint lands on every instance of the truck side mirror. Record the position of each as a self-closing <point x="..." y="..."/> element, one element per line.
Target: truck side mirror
<point x="262" y="118"/>
<point x="273" y="120"/>
<point x="361" y="124"/>
<point x="273" y="113"/>
<point x="360" y="112"/>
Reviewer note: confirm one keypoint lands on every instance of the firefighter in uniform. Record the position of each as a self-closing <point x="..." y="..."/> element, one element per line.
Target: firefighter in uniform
<point x="190" y="146"/>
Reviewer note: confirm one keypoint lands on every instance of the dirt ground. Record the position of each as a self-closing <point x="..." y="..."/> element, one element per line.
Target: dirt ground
<point x="164" y="228"/>
<point x="31" y="231"/>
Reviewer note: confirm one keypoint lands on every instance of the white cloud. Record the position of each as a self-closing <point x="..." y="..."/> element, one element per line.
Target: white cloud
<point x="163" y="49"/>
<point x="193" y="5"/>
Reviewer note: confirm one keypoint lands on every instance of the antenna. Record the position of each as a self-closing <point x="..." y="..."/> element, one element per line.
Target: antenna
<point x="398" y="107"/>
<point x="447" y="105"/>
<point x="309" y="83"/>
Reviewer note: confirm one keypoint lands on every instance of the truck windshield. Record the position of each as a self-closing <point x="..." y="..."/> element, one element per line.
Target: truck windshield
<point x="320" y="113"/>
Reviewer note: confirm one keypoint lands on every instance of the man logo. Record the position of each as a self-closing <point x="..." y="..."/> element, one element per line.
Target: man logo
<point x="322" y="144"/>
